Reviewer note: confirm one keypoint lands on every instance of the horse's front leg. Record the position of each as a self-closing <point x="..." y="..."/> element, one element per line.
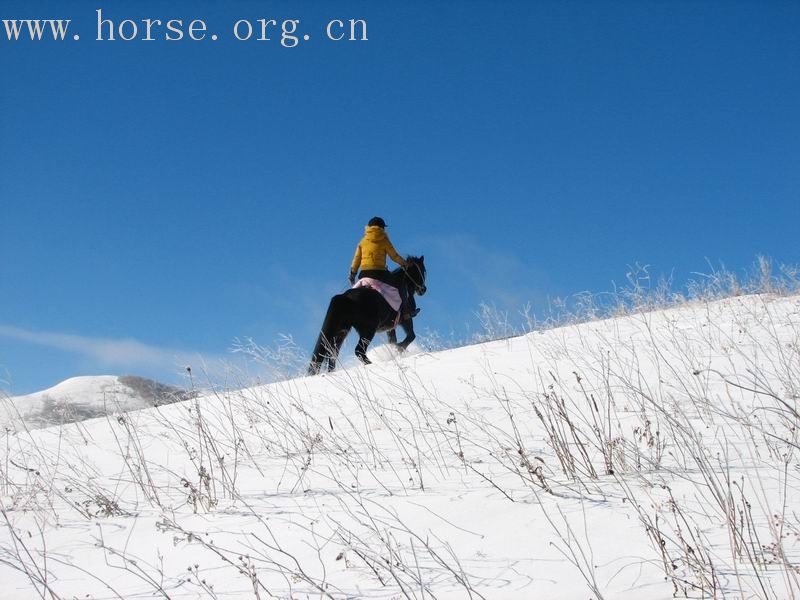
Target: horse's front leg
<point x="408" y="327"/>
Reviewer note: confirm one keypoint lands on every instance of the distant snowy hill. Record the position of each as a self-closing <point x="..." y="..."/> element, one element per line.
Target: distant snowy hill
<point x="81" y="398"/>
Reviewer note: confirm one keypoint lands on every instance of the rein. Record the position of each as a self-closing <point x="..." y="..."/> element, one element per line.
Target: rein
<point x="418" y="287"/>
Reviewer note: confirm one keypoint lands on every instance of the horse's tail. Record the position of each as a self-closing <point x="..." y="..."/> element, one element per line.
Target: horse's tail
<point x="331" y="336"/>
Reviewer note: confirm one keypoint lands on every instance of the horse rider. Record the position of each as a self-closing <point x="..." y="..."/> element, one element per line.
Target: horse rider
<point x="370" y="257"/>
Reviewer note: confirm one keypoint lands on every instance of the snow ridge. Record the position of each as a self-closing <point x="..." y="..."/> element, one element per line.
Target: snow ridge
<point x="647" y="456"/>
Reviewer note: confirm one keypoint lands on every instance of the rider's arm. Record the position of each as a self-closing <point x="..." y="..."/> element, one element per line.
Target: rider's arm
<point x="356" y="260"/>
<point x="393" y="254"/>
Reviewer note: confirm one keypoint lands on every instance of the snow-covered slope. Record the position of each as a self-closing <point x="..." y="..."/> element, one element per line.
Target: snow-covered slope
<point x="642" y="457"/>
<point x="81" y="398"/>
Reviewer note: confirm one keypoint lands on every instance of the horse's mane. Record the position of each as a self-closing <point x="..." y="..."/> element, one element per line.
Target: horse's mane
<point x="414" y="259"/>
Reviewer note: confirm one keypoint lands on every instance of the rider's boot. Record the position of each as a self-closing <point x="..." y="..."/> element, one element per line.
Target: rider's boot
<point x="408" y="307"/>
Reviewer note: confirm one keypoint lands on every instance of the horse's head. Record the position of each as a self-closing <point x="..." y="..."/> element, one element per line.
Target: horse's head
<point x="415" y="272"/>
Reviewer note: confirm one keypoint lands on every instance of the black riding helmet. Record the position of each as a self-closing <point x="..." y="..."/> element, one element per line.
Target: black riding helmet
<point x="377" y="222"/>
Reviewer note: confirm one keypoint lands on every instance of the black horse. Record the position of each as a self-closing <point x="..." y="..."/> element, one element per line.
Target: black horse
<point x="367" y="311"/>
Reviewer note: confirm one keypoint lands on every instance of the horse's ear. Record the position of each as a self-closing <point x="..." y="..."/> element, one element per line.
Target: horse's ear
<point x="422" y="258"/>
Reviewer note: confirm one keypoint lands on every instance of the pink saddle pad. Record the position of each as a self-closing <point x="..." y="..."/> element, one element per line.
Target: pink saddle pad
<point x="389" y="292"/>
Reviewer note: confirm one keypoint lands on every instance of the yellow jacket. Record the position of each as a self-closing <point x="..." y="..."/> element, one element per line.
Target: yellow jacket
<point x="372" y="250"/>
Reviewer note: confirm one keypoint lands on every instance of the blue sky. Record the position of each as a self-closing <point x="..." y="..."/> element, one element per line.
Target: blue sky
<point x="159" y="200"/>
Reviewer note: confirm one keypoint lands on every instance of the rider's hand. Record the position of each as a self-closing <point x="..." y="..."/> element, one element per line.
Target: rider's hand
<point x="352" y="278"/>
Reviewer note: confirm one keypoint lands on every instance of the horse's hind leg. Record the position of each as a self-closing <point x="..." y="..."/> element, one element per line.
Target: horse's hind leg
<point x="317" y="356"/>
<point x="336" y="345"/>
<point x="321" y="355"/>
<point x="365" y="337"/>
<point x="330" y="338"/>
<point x="323" y="350"/>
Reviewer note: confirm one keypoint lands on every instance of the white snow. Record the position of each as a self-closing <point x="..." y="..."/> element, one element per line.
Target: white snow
<point x="624" y="458"/>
